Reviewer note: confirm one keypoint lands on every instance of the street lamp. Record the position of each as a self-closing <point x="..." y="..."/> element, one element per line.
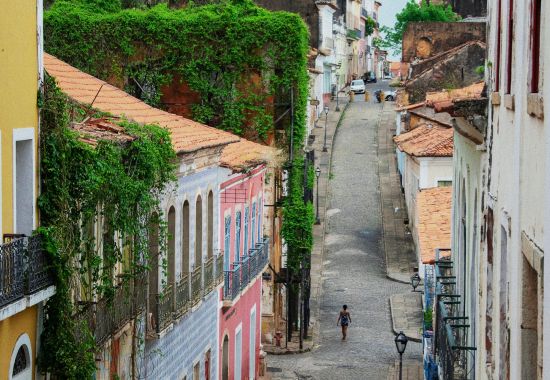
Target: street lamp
<point x="415" y="281"/>
<point x="326" y="121"/>
<point x="317" y="174"/>
<point x="401" y="343"/>
<point x="337" y="85"/>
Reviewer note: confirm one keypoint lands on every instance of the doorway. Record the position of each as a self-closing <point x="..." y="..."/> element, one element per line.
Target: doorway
<point x="225" y="358"/>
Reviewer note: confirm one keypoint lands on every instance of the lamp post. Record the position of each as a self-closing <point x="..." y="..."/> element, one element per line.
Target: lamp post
<point x="326" y="121"/>
<point x="317" y="174"/>
<point x="401" y="343"/>
<point x="337" y="91"/>
<point x="415" y="281"/>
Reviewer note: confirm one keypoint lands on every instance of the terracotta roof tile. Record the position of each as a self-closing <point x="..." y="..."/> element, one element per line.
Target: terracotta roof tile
<point x="427" y="140"/>
<point x="187" y="135"/>
<point x="93" y="130"/>
<point x="470" y="92"/>
<point x="434" y="221"/>
<point x="246" y="154"/>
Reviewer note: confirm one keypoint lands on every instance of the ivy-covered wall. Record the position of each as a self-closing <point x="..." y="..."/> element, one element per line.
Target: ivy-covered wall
<point x="114" y="185"/>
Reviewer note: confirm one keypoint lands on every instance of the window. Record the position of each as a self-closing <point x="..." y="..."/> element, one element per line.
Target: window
<point x="198" y="232"/>
<point x="21" y="359"/>
<point x="252" y="346"/>
<point x="153" y="258"/>
<point x="197" y="371"/>
<point x="238" y="354"/>
<point x="227" y="242"/>
<point x="444" y="183"/>
<point x="171" y="246"/>
<point x="510" y="51"/>
<point x="210" y="242"/>
<point x="245" y="250"/>
<point x="185" y="238"/>
<point x="260" y="218"/>
<point x="238" y="236"/>
<point x="253" y="225"/>
<point x="535" y="45"/>
<point x="207" y="365"/>
<point x="21" y="362"/>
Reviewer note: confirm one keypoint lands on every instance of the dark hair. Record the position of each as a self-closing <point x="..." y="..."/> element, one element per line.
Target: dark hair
<point x="345" y="307"/>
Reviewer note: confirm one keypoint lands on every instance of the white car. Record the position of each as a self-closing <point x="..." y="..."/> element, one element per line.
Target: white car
<point x="387" y="76"/>
<point x="357" y="86"/>
<point x="390" y="96"/>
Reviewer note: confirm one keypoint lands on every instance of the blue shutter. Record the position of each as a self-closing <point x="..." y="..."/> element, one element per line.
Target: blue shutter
<point x="238" y="236"/>
<point x="245" y="251"/>
<point x="253" y="225"/>
<point x="227" y="243"/>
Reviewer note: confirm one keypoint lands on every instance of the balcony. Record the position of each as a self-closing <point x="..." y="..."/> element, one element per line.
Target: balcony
<point x="245" y="271"/>
<point x="23" y="273"/>
<point x="456" y="360"/>
<point x="353" y="34"/>
<point x="107" y="316"/>
<point x="176" y="301"/>
<point x="364" y="13"/>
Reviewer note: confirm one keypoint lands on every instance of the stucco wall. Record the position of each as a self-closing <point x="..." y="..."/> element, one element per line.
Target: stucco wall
<point x="10" y="331"/>
<point x="434" y="169"/>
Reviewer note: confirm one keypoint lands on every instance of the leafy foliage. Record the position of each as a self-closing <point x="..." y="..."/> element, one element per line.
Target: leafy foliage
<point x="113" y="184"/>
<point x="414" y="12"/>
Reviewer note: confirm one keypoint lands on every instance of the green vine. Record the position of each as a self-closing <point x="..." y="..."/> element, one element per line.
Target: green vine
<point x="113" y="185"/>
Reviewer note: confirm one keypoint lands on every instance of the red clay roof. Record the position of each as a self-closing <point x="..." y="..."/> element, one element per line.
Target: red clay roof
<point x="470" y="92"/>
<point x="427" y="140"/>
<point x="246" y="154"/>
<point x="187" y="135"/>
<point x="434" y="221"/>
<point x="93" y="130"/>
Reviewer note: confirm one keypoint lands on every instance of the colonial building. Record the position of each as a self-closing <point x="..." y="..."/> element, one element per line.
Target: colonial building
<point x="24" y="280"/>
<point x="246" y="255"/>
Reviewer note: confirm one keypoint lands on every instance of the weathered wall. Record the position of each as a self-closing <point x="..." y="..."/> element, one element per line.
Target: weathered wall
<point x="306" y="8"/>
<point x="466" y="8"/>
<point x="432" y="38"/>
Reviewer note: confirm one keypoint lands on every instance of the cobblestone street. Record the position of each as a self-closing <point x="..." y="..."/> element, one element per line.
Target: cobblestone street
<point x="354" y="270"/>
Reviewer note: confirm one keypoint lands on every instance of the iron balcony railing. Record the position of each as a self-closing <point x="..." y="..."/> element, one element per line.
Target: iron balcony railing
<point x="353" y="34"/>
<point x="209" y="274"/>
<point x="196" y="285"/>
<point x="456" y="359"/>
<point x="107" y="316"/>
<point x="164" y="308"/>
<point x="219" y="268"/>
<point x="23" y="269"/>
<point x="245" y="271"/>
<point x="182" y="299"/>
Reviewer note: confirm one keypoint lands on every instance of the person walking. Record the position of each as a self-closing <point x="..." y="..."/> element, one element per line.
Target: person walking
<point x="344" y="319"/>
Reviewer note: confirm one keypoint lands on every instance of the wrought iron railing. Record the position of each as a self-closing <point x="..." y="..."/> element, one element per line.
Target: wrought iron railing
<point x="164" y="306"/>
<point x="219" y="268"/>
<point x="245" y="271"/>
<point x="23" y="268"/>
<point x="109" y="315"/>
<point x="196" y="285"/>
<point x="182" y="299"/>
<point x="232" y="283"/>
<point x="209" y="274"/>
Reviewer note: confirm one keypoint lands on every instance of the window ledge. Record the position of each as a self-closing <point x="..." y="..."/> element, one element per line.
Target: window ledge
<point x="535" y="105"/>
<point x="509" y="102"/>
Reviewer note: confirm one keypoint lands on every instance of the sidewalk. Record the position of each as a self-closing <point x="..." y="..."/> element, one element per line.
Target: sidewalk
<point x="406" y="314"/>
<point x="412" y="370"/>
<point x="322" y="160"/>
<point x="398" y="242"/>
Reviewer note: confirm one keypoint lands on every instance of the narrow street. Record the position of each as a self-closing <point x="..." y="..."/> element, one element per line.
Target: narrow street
<point x="354" y="271"/>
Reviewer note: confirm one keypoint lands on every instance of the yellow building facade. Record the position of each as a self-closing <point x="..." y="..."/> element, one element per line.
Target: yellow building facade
<point x="21" y="297"/>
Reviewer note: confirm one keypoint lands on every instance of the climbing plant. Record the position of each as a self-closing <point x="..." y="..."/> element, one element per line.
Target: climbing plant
<point x="115" y="185"/>
<point x="235" y="56"/>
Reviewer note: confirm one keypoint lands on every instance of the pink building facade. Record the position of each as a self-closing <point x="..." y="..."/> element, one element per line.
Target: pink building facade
<point x="245" y="252"/>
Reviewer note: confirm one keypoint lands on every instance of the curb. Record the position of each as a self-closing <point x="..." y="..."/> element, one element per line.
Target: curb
<point x="396" y="331"/>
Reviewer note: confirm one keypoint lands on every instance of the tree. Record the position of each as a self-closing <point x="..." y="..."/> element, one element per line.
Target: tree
<point x="414" y="12"/>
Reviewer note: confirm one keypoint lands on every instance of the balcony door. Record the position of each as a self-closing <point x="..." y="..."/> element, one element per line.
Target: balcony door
<point x="23" y="180"/>
<point x="238" y="354"/>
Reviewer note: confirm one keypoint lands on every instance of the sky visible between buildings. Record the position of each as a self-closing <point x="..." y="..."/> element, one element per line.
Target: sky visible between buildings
<point x="388" y="10"/>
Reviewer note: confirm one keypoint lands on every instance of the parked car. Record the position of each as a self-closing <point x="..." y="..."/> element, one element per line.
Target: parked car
<point x="387" y="76"/>
<point x="358" y="86"/>
<point x="390" y="96"/>
<point x="369" y="77"/>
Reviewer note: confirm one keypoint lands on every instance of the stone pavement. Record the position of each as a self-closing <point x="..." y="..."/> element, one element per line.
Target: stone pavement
<point x="351" y="269"/>
<point x="398" y="242"/>
<point x="406" y="314"/>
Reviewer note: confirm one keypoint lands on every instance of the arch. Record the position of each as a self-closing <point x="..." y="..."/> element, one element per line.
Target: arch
<point x="424" y="48"/>
<point x="153" y="258"/>
<point x="225" y="358"/>
<point x="21" y="359"/>
<point x="185" y="238"/>
<point x="171" y="246"/>
<point x="210" y="225"/>
<point x="198" y="231"/>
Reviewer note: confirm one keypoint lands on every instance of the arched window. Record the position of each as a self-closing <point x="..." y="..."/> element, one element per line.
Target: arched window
<point x="245" y="245"/>
<point x="198" y="232"/>
<point x="238" y="236"/>
<point x="171" y="246"/>
<point x="185" y="238"/>
<point x="210" y="241"/>
<point x="153" y="257"/>
<point x="253" y="225"/>
<point x="227" y="242"/>
<point x="21" y="360"/>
